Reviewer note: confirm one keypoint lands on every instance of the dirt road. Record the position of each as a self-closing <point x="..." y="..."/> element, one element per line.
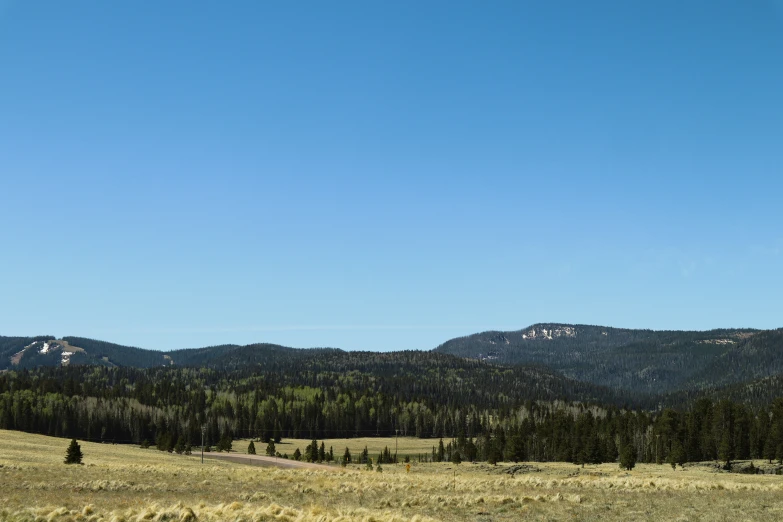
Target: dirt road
<point x="269" y="462"/>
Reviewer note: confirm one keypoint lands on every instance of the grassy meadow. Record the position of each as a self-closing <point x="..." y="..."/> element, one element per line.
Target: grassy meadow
<point x="412" y="446"/>
<point x="126" y="483"/>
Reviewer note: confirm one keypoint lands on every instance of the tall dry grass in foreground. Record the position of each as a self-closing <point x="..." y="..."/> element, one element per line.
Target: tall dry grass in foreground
<point x="121" y="483"/>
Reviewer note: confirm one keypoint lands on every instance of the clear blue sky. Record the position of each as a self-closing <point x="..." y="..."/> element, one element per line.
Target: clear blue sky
<point x="387" y="175"/>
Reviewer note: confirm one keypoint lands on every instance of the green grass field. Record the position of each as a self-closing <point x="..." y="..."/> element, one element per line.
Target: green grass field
<point x="125" y="483"/>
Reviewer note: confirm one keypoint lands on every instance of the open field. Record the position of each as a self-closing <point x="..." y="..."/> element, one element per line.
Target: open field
<point x="406" y="446"/>
<point x="127" y="483"/>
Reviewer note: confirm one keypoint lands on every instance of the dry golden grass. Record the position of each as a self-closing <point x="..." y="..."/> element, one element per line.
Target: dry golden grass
<point x="412" y="446"/>
<point x="123" y="483"/>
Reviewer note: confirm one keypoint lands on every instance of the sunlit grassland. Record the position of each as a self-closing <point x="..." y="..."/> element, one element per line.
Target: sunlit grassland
<point x="411" y="446"/>
<point x="127" y="483"/>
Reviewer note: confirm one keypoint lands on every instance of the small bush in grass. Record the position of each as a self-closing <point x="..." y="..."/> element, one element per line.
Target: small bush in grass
<point x="297" y="454"/>
<point x="251" y="448"/>
<point x="73" y="455"/>
<point x="145" y="444"/>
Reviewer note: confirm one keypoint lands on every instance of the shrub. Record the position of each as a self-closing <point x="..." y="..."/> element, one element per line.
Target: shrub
<point x="251" y="449"/>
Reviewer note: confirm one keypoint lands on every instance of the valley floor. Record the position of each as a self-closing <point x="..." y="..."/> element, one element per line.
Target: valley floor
<point x="131" y="484"/>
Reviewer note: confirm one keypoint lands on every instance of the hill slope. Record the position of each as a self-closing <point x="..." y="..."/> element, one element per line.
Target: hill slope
<point x="639" y="360"/>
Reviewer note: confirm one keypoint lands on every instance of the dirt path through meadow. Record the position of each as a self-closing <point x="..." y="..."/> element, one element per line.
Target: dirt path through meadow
<point x="269" y="462"/>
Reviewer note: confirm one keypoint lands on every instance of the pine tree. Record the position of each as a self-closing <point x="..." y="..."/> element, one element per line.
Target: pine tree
<point x="251" y="448"/>
<point x="322" y="453"/>
<point x="347" y="456"/>
<point x="179" y="447"/>
<point x="456" y="458"/>
<point x="627" y="456"/>
<point x="271" y="450"/>
<point x="725" y="452"/>
<point x="769" y="448"/>
<point x="677" y="454"/>
<point x="73" y="455"/>
<point x="297" y="454"/>
<point x="163" y="441"/>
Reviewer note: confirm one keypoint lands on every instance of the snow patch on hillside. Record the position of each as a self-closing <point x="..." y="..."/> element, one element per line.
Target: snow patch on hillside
<point x="543" y="333"/>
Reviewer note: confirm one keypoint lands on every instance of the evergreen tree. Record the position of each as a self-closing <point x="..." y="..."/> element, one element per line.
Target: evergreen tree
<point x="627" y="456"/>
<point x="179" y="447"/>
<point x="271" y="450"/>
<point x="297" y="454"/>
<point x="73" y="455"/>
<point x="677" y="454"/>
<point x="251" y="448"/>
<point x="321" y="453"/>
<point x="769" y="448"/>
<point x="456" y="458"/>
<point x="162" y="441"/>
<point x="347" y="456"/>
<point x="725" y="452"/>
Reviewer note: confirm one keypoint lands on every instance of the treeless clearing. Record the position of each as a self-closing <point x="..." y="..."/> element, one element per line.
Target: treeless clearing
<point x="407" y="446"/>
<point x="131" y="484"/>
<point x="267" y="462"/>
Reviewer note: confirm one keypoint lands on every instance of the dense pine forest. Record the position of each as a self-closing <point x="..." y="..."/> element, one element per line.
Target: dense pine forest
<point x="483" y="411"/>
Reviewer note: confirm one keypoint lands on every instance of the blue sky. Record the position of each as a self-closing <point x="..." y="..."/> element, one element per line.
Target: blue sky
<point x="387" y="175"/>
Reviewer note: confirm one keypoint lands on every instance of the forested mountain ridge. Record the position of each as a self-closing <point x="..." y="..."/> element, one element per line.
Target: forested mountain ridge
<point x="640" y="362"/>
<point x="489" y="412"/>
<point x="31" y="352"/>
<point x="492" y="411"/>
<point x="645" y="361"/>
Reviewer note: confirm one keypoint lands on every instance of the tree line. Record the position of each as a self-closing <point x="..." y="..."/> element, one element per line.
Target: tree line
<point x="486" y="415"/>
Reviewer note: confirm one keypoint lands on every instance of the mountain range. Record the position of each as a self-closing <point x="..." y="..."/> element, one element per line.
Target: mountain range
<point x="627" y="361"/>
